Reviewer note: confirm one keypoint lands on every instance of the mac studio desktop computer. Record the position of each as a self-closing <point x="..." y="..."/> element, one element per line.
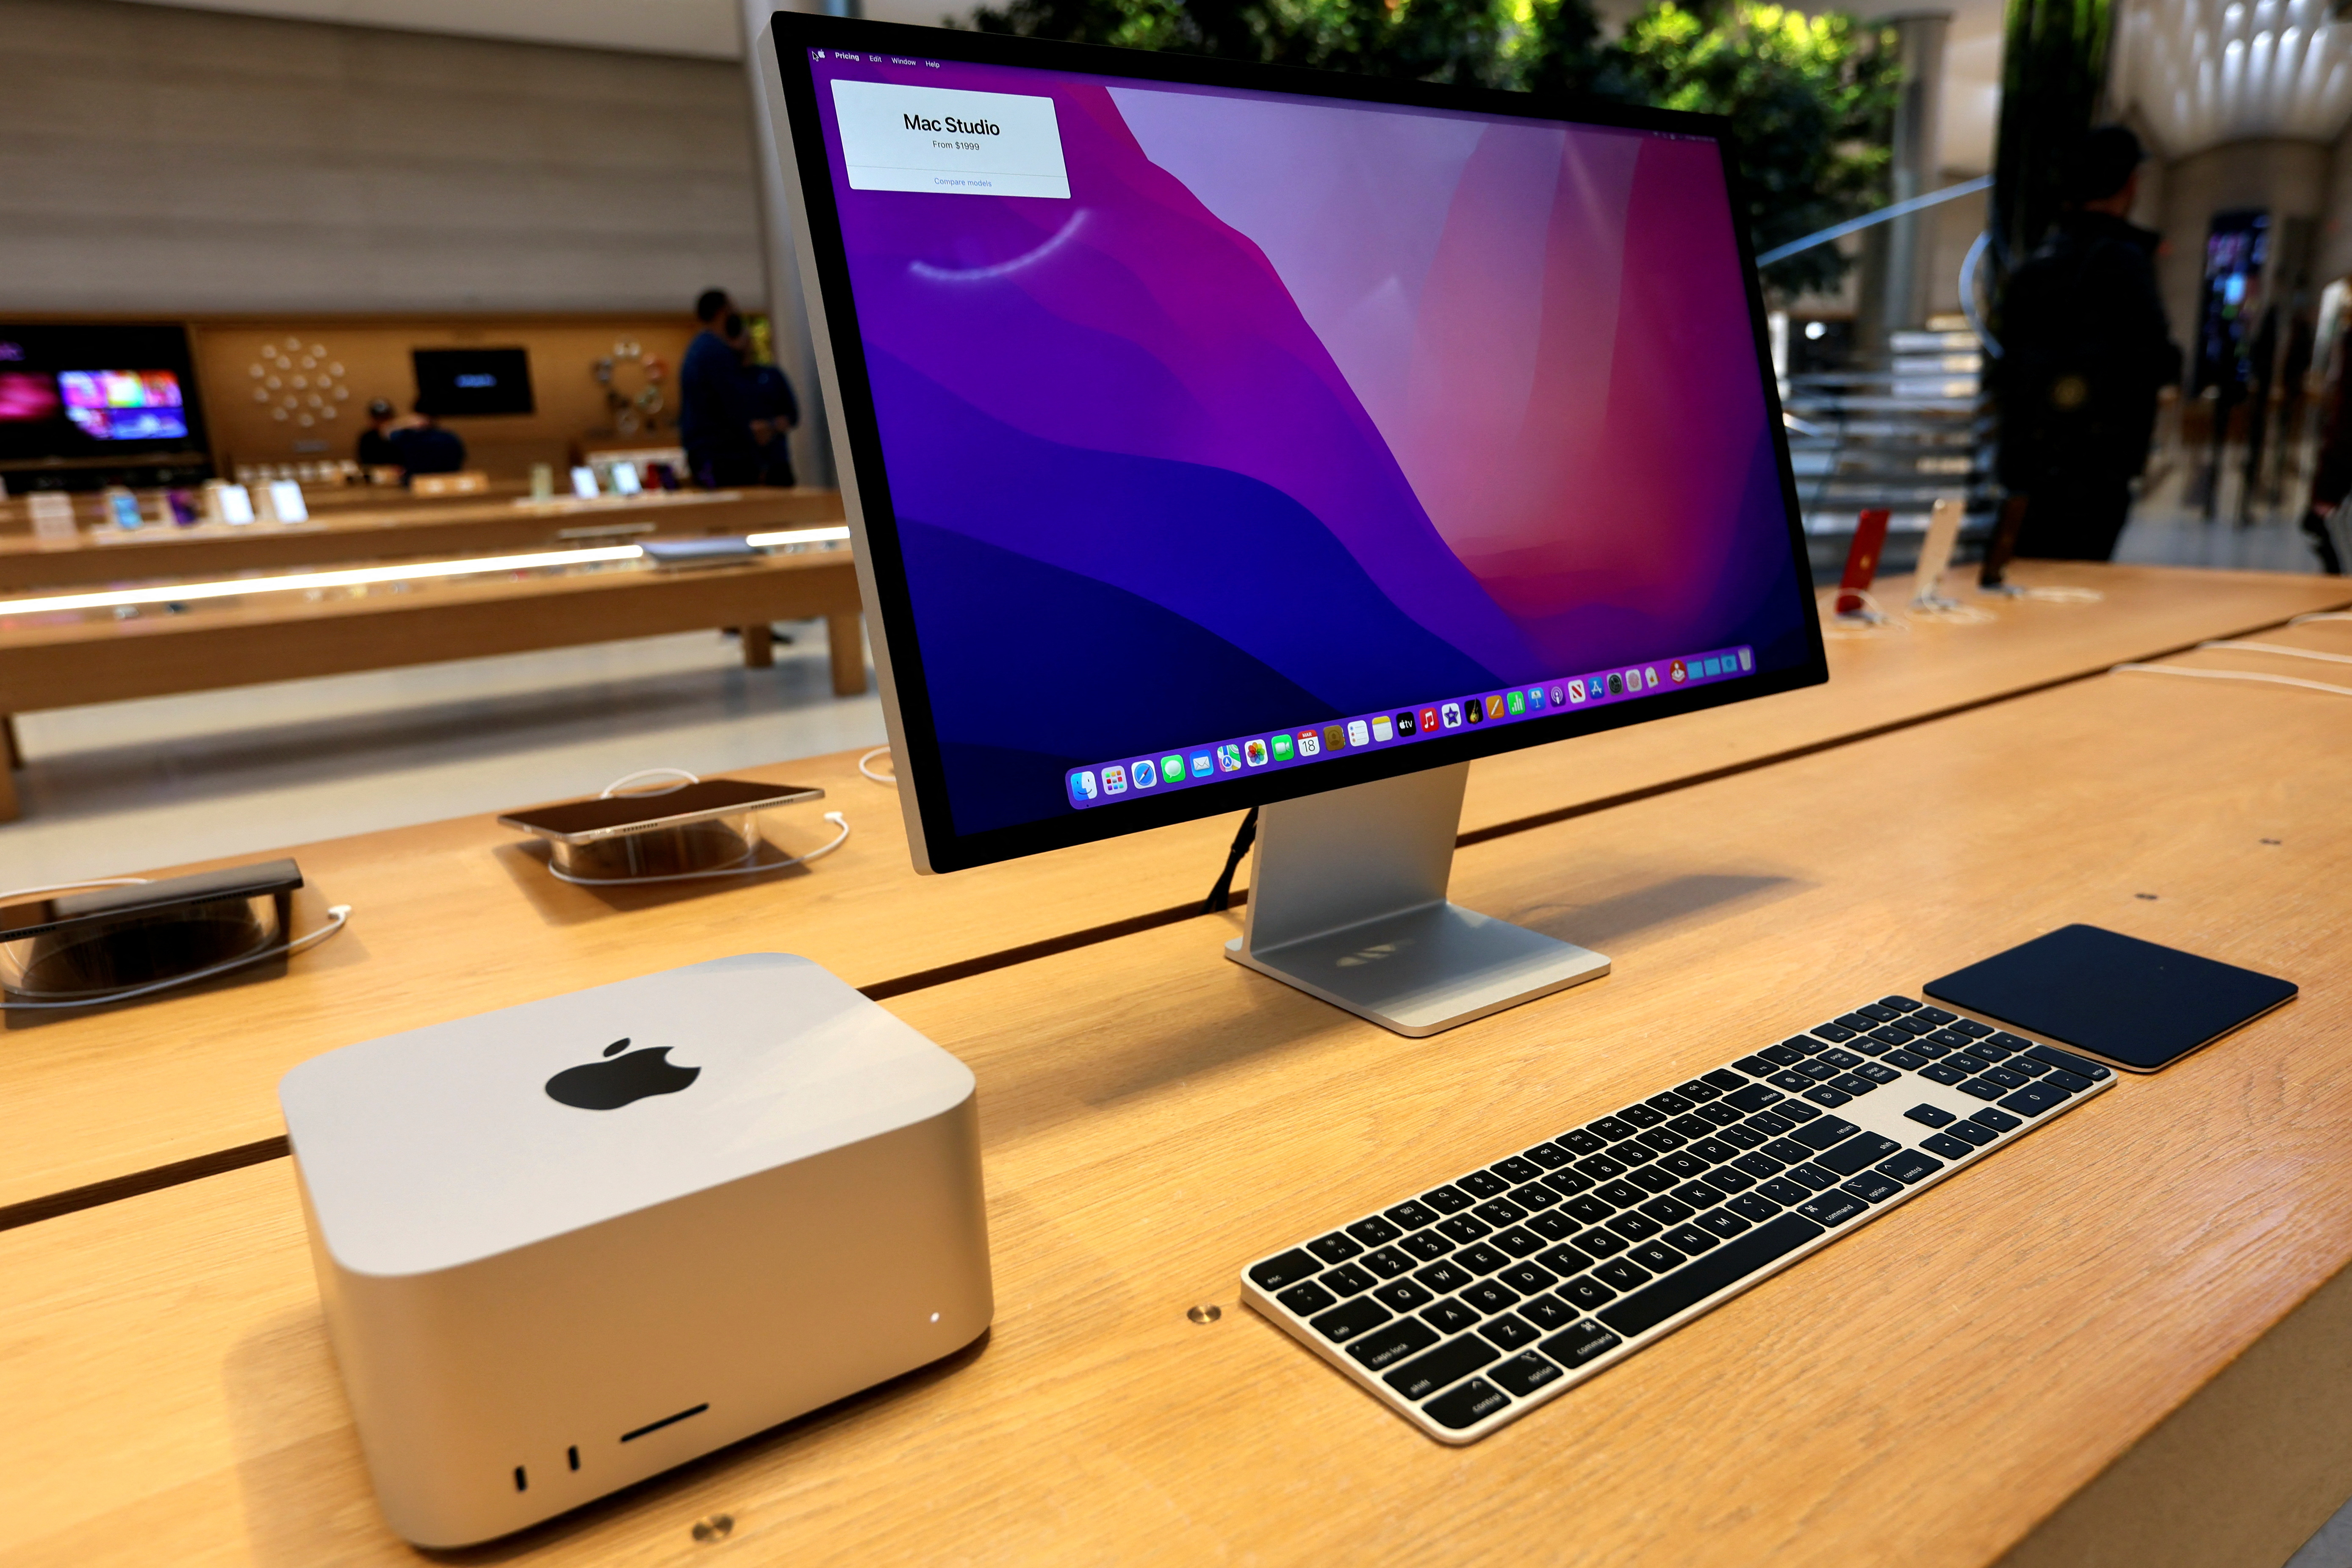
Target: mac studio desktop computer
<point x="1217" y="437"/>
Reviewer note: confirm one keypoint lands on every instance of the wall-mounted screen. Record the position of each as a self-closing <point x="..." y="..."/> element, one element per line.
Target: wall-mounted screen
<point x="81" y="398"/>
<point x="463" y="384"/>
<point x="124" y="404"/>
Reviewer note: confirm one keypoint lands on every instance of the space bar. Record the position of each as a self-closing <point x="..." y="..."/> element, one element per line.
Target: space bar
<point x="1727" y="1264"/>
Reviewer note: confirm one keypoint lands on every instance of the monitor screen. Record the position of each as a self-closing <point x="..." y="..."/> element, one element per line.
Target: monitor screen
<point x="465" y="382"/>
<point x="113" y="392"/>
<point x="1216" y="444"/>
<point x="123" y="404"/>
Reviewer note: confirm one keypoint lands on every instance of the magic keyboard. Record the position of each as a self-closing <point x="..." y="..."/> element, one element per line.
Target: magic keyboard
<point x="1467" y="1305"/>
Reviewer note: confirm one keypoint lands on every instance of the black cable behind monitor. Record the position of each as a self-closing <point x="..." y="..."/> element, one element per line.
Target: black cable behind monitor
<point x="1221" y="897"/>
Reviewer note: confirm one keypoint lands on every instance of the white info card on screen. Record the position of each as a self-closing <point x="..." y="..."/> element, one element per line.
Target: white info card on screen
<point x="934" y="138"/>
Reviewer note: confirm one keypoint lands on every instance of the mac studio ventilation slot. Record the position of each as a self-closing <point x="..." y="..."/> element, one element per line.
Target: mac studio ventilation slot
<point x="95" y="944"/>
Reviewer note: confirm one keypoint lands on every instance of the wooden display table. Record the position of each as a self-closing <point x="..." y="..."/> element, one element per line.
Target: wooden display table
<point x="115" y="1102"/>
<point x="467" y="525"/>
<point x="93" y="658"/>
<point x="2110" y="1344"/>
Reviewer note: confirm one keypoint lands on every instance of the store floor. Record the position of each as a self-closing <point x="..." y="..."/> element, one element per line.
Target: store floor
<point x="2169" y="527"/>
<point x="121" y="786"/>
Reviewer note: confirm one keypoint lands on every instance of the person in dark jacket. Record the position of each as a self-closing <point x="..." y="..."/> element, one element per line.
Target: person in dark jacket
<point x="424" y="447"/>
<point x="2084" y="352"/>
<point x="714" y="421"/>
<point x="375" y="448"/>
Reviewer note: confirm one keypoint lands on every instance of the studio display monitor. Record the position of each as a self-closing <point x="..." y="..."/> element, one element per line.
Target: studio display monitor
<point x="1217" y="435"/>
<point x="456" y="384"/>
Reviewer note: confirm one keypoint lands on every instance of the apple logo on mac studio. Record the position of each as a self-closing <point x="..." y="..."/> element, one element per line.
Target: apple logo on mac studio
<point x="619" y="1081"/>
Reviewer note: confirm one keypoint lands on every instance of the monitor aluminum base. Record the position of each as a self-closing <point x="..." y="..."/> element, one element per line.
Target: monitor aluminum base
<point x="1347" y="902"/>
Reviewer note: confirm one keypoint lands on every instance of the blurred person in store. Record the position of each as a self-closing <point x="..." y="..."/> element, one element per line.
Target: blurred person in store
<point x="375" y="449"/>
<point x="2085" y="349"/>
<point x="714" y="420"/>
<point x="774" y="412"/>
<point x="423" y="447"/>
<point x="2331" y="481"/>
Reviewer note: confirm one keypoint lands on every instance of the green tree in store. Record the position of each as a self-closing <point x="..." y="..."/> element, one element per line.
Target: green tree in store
<point x="1811" y="100"/>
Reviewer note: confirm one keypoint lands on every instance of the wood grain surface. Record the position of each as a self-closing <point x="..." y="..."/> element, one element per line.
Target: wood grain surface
<point x="420" y="529"/>
<point x="1925" y="1392"/>
<point x="454" y="918"/>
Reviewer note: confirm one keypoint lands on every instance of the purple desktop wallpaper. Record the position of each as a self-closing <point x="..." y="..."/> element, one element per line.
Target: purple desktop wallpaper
<point x="1296" y="409"/>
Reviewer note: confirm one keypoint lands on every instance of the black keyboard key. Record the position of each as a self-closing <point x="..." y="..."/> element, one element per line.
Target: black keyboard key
<point x="1833" y="1208"/>
<point x="1820" y="1071"/>
<point x="1622" y="1275"/>
<point x="1787" y="1194"/>
<point x="1754" y="1098"/>
<point x="1980" y="1088"/>
<point x="1482" y="1184"/>
<point x="1756" y="1067"/>
<point x="1877" y="1072"/>
<point x="1602" y="1242"/>
<point x="1587" y="1293"/>
<point x="1980" y="1136"/>
<point x="1698" y="1091"/>
<point x="1694" y="1195"/>
<point x="1985" y="1050"/>
<point x="1391" y="1342"/>
<point x="1912" y="1025"/>
<point x="1401" y="1296"/>
<point x="1426" y="1245"/>
<point x="2073" y="1083"/>
<point x="1995" y="1119"/>
<point x="1568" y="1183"/>
<point x="1861" y="1150"/>
<point x="1713" y="1151"/>
<point x="1950" y="1147"/>
<point x="1855" y="1022"/>
<point x="1468" y="1405"/>
<point x="1611" y="1127"/>
<point x="1600" y="1167"/>
<point x="1670" y="1103"/>
<point x="1899" y="1004"/>
<point x="1410" y="1216"/>
<point x="1525" y="1372"/>
<point x="1388" y="1262"/>
<point x="1550" y="1156"/>
<point x="1888" y="1034"/>
<point x="1346" y="1281"/>
<point x="1306" y="1298"/>
<point x="1869" y="1046"/>
<point x="1591" y="1209"/>
<point x="1634" y="1226"/>
<point x="1803" y="1045"/>
<point x="1682" y="1167"/>
<point x="1448" y="1200"/>
<point x="1634" y="1151"/>
<point x="1730" y="1178"/>
<point x="1854" y="1083"/>
<point x="1931" y="1116"/>
<point x="2079" y="1066"/>
<point x="1872" y="1187"/>
<point x="1663" y="1141"/>
<point x="1949" y="1038"/>
<point x="2027" y="1066"/>
<point x="1490" y="1297"/>
<point x="1910" y="1061"/>
<point x="1909" y="1166"/>
<point x="1755" y="1206"/>
<point x="2006" y="1079"/>
<point x="1515" y="1170"/>
<point x="1336" y="1247"/>
<point x="1641" y="1116"/>
<point x="1579" y="1345"/>
<point x="1508" y="1332"/>
<point x="1761" y="1166"/>
<point x="1668" y="1211"/>
<point x="1526" y="1278"/>
<point x="2034" y="1098"/>
<point x="1723" y="1079"/>
<point x="1740" y="1137"/>
<point x="1930" y="1049"/>
<point x="1835" y="1031"/>
<point x="1657" y="1257"/>
<point x="1935" y="1015"/>
<point x="1482" y="1258"/>
<point x="1547" y="1313"/>
<point x="1520" y="1242"/>
<point x="1796" y="1110"/>
<point x="1838" y="1058"/>
<point x="1565" y="1259"/>
<point x="1499" y="1211"/>
<point x="1374" y="1231"/>
<point x="1875" y="1013"/>
<point x="1812" y="1176"/>
<point x="1288" y="1268"/>
<point x="1822" y="1134"/>
<point x="1824" y="1095"/>
<point x="1449" y="1362"/>
<point x="1971" y="1027"/>
<point x="1450" y="1315"/>
<point x="1581" y="1142"/>
<point x="1722" y="1113"/>
<point x="1623" y="1194"/>
<point x="1781" y="1056"/>
<point x="1535" y="1196"/>
<point x="1794" y="1082"/>
<point x="1692" y="1127"/>
<point x="1689" y="1240"/>
<point x="1445" y="1278"/>
<point x="1936" y="1072"/>
<point x="1722" y="1224"/>
<point x="1464" y="1229"/>
<point x="1726" y="1266"/>
<point x="1345" y="1321"/>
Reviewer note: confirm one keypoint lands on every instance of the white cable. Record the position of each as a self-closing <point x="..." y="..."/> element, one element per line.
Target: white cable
<point x="614" y="787"/>
<point x="738" y="870"/>
<point x="2280" y="648"/>
<point x="2233" y="675"/>
<point x="338" y="917"/>
<point x="889" y="778"/>
<point x="2061" y="595"/>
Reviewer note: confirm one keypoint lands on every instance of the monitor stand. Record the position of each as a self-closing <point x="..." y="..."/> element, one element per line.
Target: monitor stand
<point x="1347" y="901"/>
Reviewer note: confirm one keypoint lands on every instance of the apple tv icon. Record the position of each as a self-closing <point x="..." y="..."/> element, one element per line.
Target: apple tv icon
<point x="566" y="1245"/>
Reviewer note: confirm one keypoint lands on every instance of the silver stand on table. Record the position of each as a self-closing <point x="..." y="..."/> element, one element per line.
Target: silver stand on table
<point x="1347" y="901"/>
